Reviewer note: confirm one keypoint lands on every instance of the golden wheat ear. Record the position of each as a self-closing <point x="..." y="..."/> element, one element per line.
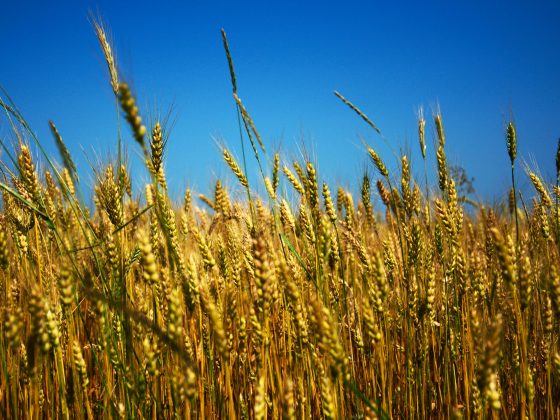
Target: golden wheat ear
<point x="67" y="160"/>
<point x="128" y="104"/>
<point x="108" y="54"/>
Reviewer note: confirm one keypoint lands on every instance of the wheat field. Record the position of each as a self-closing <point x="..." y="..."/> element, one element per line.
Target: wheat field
<point x="406" y="300"/>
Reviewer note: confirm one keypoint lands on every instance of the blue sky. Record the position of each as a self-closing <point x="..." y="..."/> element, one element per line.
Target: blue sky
<point x="479" y="61"/>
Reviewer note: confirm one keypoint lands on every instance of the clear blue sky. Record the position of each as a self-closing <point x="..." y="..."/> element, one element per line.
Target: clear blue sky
<point x="480" y="61"/>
